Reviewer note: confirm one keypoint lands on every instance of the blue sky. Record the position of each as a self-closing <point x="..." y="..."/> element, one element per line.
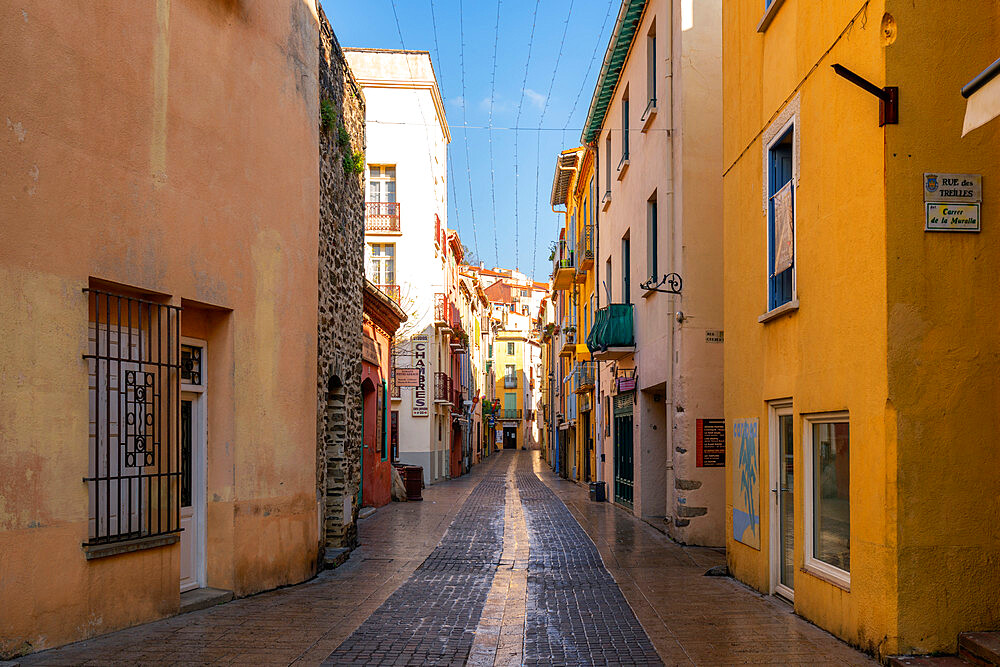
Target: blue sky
<point x="496" y="239"/>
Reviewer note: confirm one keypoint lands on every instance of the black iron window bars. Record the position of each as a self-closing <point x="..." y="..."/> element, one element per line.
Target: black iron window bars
<point x="134" y="374"/>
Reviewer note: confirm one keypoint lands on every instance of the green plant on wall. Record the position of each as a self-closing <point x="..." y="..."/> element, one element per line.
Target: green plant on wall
<point x="343" y="137"/>
<point x="327" y="114"/>
<point x="354" y="163"/>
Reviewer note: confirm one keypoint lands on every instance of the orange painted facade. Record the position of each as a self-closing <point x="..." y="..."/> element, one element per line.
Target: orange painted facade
<point x="167" y="150"/>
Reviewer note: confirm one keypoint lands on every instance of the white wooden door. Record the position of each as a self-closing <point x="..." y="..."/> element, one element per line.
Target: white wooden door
<point x="192" y="487"/>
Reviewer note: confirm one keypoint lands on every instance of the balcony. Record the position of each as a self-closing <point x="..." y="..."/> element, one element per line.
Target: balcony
<point x="382" y="217"/>
<point x="510" y="382"/>
<point x="442" y="312"/>
<point x="585" y="251"/>
<point x="584" y="374"/>
<point x="509" y="413"/>
<point x="391" y="291"/>
<point x="613" y="335"/>
<point x="444" y="391"/>
<point x="569" y="342"/>
<point x="563" y="266"/>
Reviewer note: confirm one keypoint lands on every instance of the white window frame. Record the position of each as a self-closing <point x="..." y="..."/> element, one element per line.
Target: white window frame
<point x="776" y="409"/>
<point x="817" y="568"/>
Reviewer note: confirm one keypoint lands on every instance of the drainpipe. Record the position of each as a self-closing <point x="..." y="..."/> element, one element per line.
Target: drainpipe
<point x="598" y="427"/>
<point x="674" y="255"/>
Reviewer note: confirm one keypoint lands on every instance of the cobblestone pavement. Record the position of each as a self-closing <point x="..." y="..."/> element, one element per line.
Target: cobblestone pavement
<point x="529" y="572"/>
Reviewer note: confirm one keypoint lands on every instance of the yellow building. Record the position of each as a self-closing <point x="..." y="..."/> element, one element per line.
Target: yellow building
<point x="573" y="281"/>
<point x="860" y="360"/>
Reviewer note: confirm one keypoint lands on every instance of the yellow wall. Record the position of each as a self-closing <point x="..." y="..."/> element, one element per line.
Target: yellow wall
<point x="942" y="331"/>
<point x="894" y="324"/>
<point x="137" y="150"/>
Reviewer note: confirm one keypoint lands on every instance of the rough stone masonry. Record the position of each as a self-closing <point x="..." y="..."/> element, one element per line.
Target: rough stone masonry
<point x="341" y="285"/>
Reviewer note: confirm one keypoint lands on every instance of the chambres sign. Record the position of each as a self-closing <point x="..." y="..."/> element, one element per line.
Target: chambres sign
<point x="419" y="405"/>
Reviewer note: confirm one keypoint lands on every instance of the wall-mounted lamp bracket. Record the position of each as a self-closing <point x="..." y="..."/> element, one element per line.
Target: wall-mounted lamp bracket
<point x="671" y="280"/>
<point x="888" y="97"/>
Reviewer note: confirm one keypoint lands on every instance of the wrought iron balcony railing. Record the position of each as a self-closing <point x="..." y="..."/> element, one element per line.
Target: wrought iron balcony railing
<point x="509" y="413"/>
<point x="443" y="388"/>
<point x="382" y="216"/>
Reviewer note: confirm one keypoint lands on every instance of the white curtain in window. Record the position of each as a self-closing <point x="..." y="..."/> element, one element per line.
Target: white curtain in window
<point x="783" y="229"/>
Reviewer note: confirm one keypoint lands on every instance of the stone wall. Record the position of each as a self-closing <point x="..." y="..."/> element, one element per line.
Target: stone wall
<point x="341" y="288"/>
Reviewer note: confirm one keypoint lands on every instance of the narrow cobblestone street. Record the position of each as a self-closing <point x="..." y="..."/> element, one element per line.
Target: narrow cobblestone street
<point x="509" y="565"/>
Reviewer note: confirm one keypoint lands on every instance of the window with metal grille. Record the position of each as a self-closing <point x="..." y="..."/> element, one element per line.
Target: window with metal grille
<point x="134" y="371"/>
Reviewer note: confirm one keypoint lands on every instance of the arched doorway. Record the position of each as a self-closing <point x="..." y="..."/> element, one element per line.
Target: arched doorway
<point x="369" y="440"/>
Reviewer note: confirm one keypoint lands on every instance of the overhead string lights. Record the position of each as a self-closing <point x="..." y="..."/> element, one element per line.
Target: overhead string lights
<point x="465" y="124"/>
<point x="517" y="126"/>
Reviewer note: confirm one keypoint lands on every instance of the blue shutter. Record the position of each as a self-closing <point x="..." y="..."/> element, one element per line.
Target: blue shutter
<point x="780" y="172"/>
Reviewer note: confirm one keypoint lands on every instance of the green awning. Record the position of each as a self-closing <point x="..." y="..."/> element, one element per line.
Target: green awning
<point x="614" y="60"/>
<point x="612" y="328"/>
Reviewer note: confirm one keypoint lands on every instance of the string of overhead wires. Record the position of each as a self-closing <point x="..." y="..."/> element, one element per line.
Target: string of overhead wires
<point x="517" y="124"/>
<point x="586" y="76"/>
<point x="541" y="119"/>
<point x="493" y="82"/>
<point x="465" y="122"/>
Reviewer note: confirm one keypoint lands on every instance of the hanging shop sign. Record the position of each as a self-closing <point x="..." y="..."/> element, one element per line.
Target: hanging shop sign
<point x="952" y="202"/>
<point x="407" y="377"/>
<point x="419" y="408"/>
<point x="711" y="442"/>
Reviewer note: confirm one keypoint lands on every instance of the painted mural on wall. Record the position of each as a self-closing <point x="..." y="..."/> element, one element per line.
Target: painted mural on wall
<point x="746" y="483"/>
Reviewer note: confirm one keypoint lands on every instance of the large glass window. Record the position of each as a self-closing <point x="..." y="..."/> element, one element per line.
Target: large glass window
<point x="829" y="457"/>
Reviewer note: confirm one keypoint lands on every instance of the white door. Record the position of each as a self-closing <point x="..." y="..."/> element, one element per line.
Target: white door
<point x="192" y="491"/>
<point x="782" y="474"/>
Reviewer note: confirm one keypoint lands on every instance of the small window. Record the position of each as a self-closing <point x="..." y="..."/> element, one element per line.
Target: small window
<point x="624" y="130"/>
<point x="607" y="279"/>
<point x="651" y="240"/>
<point x="651" y="68"/>
<point x="382" y="270"/>
<point x="382" y="183"/>
<point x="781" y="222"/>
<point x="626" y="269"/>
<point x="607" y="166"/>
<point x="827" y="477"/>
<point x="510" y="348"/>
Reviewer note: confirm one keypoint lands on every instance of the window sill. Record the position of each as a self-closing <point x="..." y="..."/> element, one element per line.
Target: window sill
<point x="94" y="551"/>
<point x="606" y="202"/>
<point x="769" y="15"/>
<point x="647" y="118"/>
<point x="828" y="573"/>
<point x="622" y="168"/>
<point x="783" y="309"/>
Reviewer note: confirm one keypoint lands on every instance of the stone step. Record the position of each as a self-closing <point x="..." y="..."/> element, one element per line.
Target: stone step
<point x="202" y="598"/>
<point x="979" y="648"/>
<point x="926" y="661"/>
<point x="335" y="557"/>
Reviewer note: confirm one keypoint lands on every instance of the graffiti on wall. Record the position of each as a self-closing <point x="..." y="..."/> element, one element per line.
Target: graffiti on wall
<point x="746" y="483"/>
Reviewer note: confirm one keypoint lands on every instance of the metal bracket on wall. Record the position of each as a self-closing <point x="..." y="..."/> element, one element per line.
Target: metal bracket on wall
<point x="888" y="97"/>
<point x="671" y="280"/>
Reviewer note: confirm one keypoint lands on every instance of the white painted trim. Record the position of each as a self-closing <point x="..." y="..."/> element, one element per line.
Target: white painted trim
<point x="817" y="568"/>
<point x="775" y="410"/>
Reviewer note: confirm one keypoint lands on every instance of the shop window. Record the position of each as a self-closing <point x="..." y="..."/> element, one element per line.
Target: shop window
<point x="827" y="478"/>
